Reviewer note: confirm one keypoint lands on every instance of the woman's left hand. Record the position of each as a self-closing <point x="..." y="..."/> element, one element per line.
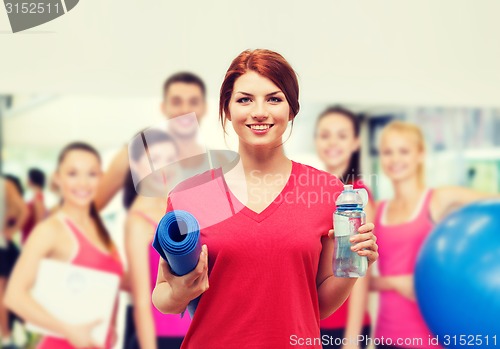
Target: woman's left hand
<point x="364" y="243"/>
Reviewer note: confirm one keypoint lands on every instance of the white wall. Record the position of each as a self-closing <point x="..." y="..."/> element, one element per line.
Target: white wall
<point x="388" y="51"/>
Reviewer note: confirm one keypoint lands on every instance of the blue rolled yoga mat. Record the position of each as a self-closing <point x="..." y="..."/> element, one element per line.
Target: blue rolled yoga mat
<point x="177" y="240"/>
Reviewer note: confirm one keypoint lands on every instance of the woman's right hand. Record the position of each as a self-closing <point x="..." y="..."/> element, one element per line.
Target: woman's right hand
<point x="80" y="336"/>
<point x="188" y="287"/>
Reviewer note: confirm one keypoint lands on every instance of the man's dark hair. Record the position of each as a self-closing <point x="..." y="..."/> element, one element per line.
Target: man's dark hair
<point x="187" y="78"/>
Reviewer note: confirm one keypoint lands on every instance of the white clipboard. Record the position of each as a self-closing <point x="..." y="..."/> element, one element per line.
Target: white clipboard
<point x="76" y="295"/>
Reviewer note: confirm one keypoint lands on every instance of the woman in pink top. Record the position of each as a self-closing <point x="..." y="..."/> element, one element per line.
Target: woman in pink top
<point x="74" y="235"/>
<point x="402" y="224"/>
<point x="338" y="147"/>
<point x="154" y="330"/>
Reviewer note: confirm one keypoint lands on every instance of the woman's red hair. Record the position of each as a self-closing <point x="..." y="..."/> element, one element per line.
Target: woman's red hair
<point x="267" y="63"/>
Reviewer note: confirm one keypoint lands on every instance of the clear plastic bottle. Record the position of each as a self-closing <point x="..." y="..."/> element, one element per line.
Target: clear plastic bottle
<point x="348" y="217"/>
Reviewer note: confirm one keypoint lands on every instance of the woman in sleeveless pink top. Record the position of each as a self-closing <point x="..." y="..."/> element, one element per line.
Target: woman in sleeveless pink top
<point x="402" y="224"/>
<point x="74" y="235"/>
<point x="337" y="145"/>
<point x="91" y="256"/>
<point x="154" y="330"/>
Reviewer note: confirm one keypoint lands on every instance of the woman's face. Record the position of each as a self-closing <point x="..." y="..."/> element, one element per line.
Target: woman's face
<point x="400" y="156"/>
<point x="78" y="176"/>
<point x="162" y="155"/>
<point x="336" y="140"/>
<point x="258" y="110"/>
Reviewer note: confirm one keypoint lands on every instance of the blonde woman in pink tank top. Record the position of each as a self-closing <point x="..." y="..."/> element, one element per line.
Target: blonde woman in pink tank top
<point x="402" y="224"/>
<point x="75" y="235"/>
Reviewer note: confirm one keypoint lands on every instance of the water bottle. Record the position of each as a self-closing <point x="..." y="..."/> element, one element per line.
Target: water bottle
<point x="348" y="217"/>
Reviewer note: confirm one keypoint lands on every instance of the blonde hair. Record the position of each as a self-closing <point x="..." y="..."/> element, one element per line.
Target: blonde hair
<point x="408" y="128"/>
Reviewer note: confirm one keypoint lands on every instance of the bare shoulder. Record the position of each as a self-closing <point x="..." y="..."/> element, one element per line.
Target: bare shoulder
<point x="443" y="196"/>
<point x="46" y="234"/>
<point x="138" y="229"/>
<point x="136" y="206"/>
<point x="48" y="227"/>
<point x="445" y="199"/>
<point x="134" y="221"/>
<point x="139" y="234"/>
<point x="439" y="192"/>
<point x="133" y="217"/>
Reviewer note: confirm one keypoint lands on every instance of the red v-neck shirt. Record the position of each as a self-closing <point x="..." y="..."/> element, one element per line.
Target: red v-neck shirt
<point x="262" y="266"/>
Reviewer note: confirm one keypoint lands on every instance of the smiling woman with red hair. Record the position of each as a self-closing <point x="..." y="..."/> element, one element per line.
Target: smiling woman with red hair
<point x="269" y="266"/>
